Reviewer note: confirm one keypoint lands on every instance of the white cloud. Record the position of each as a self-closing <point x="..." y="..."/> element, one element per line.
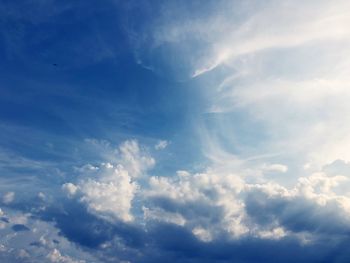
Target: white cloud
<point x="217" y="203"/>
<point x="55" y="256"/>
<point x="135" y="159"/>
<point x="289" y="78"/>
<point x="110" y="196"/>
<point x="42" y="196"/>
<point x="275" y="168"/>
<point x="202" y="234"/>
<point x="70" y="189"/>
<point x="203" y="199"/>
<point x="86" y="168"/>
<point x="163" y="216"/>
<point x="276" y="233"/>
<point x="199" y="43"/>
<point x="281" y="65"/>
<point x="8" y="197"/>
<point x="109" y="189"/>
<point x="162" y="144"/>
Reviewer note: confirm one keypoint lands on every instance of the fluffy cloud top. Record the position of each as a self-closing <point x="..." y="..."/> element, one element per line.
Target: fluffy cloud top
<point x="216" y="203"/>
<point x="219" y="205"/>
<point x="109" y="189"/>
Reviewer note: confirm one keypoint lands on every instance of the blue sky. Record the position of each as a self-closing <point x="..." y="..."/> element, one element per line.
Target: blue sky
<point x="174" y="131"/>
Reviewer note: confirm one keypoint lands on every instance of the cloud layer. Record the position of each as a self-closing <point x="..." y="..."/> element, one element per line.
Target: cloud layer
<point x="220" y="207"/>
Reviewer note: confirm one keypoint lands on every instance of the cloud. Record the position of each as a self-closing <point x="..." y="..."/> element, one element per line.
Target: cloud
<point x="111" y="188"/>
<point x="56" y="256"/>
<point x="191" y="40"/>
<point x="306" y="24"/>
<point x="279" y="81"/>
<point x="70" y="189"/>
<point x="110" y="196"/>
<point x="205" y="200"/>
<point x="8" y="197"/>
<point x="135" y="159"/>
<point x="218" y="213"/>
<point x="220" y="208"/>
<point x="162" y="144"/>
<point x="159" y="214"/>
<point x="36" y="241"/>
<point x="280" y="67"/>
<point x="275" y="168"/>
<point x="215" y="204"/>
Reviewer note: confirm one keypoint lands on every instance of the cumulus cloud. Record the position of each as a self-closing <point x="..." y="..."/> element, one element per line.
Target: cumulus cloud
<point x="70" y="189"/>
<point x="111" y="195"/>
<point x="214" y="204"/>
<point x="135" y="159"/>
<point x="220" y="209"/>
<point x="109" y="189"/>
<point x="207" y="201"/>
<point x="220" y="202"/>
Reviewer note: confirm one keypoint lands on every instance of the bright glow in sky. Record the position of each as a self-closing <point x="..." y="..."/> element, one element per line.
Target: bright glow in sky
<point x="174" y="131"/>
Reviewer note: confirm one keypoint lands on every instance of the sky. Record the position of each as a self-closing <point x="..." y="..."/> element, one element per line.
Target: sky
<point x="174" y="131"/>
